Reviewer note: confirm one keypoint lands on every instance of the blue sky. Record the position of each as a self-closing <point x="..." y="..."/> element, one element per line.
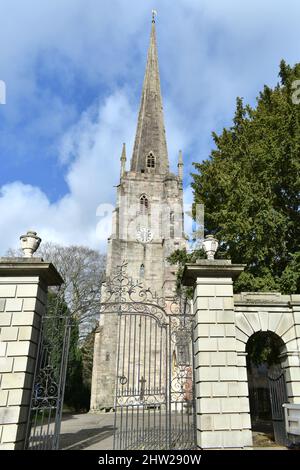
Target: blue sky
<point x="73" y="71"/>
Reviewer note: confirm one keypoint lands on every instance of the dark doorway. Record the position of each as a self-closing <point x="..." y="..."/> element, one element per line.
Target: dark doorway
<point x="267" y="388"/>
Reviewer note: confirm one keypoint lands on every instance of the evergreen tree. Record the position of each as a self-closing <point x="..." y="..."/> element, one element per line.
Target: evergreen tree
<point x="250" y="188"/>
<point x="87" y="352"/>
<point x="77" y="393"/>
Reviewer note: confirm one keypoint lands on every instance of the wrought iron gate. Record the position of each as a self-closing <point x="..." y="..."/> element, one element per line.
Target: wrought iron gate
<point x="278" y="396"/>
<point x="43" y="426"/>
<point x="154" y="398"/>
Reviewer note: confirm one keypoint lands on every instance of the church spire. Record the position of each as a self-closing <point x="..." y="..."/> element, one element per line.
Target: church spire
<point x="150" y="147"/>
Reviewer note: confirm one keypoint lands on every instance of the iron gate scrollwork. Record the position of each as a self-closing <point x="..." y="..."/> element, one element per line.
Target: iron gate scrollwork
<point x="154" y="391"/>
<point x="43" y="426"/>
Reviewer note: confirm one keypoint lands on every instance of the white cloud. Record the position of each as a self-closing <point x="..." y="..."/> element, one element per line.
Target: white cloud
<point x="209" y="52"/>
<point x="91" y="149"/>
<point x="94" y="144"/>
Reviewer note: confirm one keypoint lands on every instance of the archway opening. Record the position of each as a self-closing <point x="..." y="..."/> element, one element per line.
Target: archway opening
<point x="266" y="383"/>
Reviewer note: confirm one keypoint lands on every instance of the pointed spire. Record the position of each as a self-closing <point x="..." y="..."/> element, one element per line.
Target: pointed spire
<point x="180" y="165"/>
<point x="150" y="135"/>
<point x="123" y="160"/>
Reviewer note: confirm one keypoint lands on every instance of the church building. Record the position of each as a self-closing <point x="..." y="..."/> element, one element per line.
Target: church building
<point x="147" y="222"/>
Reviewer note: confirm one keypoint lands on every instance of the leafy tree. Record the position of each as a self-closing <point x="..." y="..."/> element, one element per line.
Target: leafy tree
<point x="250" y="188"/>
<point x="82" y="270"/>
<point x="181" y="257"/>
<point x="87" y="353"/>
<point x="290" y="279"/>
<point x="58" y="319"/>
<point x="55" y="324"/>
<point x="264" y="347"/>
<point x="77" y="392"/>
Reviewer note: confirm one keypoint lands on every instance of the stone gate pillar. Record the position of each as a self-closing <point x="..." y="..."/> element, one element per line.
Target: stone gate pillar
<point x="23" y="294"/>
<point x="222" y="404"/>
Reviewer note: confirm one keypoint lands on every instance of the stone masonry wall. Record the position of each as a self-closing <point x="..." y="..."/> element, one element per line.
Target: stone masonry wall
<point x="22" y="302"/>
<point x="225" y="322"/>
<point x="222" y="405"/>
<point x="271" y="311"/>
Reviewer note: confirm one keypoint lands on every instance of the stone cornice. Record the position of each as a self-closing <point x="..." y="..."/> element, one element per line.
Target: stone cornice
<point x="210" y="268"/>
<point x="265" y="299"/>
<point x="25" y="267"/>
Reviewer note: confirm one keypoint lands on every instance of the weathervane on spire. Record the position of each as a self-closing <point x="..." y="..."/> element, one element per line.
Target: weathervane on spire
<point x="154" y="14"/>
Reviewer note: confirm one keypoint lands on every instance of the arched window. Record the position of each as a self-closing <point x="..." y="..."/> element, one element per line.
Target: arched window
<point x="144" y="203"/>
<point x="150" y="160"/>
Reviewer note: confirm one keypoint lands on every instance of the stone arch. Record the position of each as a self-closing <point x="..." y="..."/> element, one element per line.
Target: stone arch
<point x="281" y="321"/>
<point x="266" y="382"/>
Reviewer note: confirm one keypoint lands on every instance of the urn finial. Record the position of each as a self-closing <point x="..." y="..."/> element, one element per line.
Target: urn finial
<point x="29" y="243"/>
<point x="210" y="245"/>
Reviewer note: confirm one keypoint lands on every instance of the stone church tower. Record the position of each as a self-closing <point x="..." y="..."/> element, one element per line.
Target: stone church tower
<point x="147" y="222"/>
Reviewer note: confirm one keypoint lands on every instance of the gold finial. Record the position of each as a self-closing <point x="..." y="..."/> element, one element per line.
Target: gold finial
<point x="154" y="14"/>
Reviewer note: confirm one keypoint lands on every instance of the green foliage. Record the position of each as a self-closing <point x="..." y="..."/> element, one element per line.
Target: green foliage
<point x="54" y="329"/>
<point x="264" y="347"/>
<point x="77" y="393"/>
<point x="265" y="282"/>
<point x="87" y="352"/>
<point x="250" y="187"/>
<point x="290" y="279"/>
<point x="181" y="257"/>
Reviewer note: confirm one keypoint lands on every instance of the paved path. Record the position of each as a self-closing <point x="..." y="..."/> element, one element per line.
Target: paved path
<point x="87" y="432"/>
<point x="95" y="432"/>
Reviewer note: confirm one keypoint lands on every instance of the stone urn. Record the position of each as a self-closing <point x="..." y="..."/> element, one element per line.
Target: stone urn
<point x="210" y="246"/>
<point x="29" y="243"/>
